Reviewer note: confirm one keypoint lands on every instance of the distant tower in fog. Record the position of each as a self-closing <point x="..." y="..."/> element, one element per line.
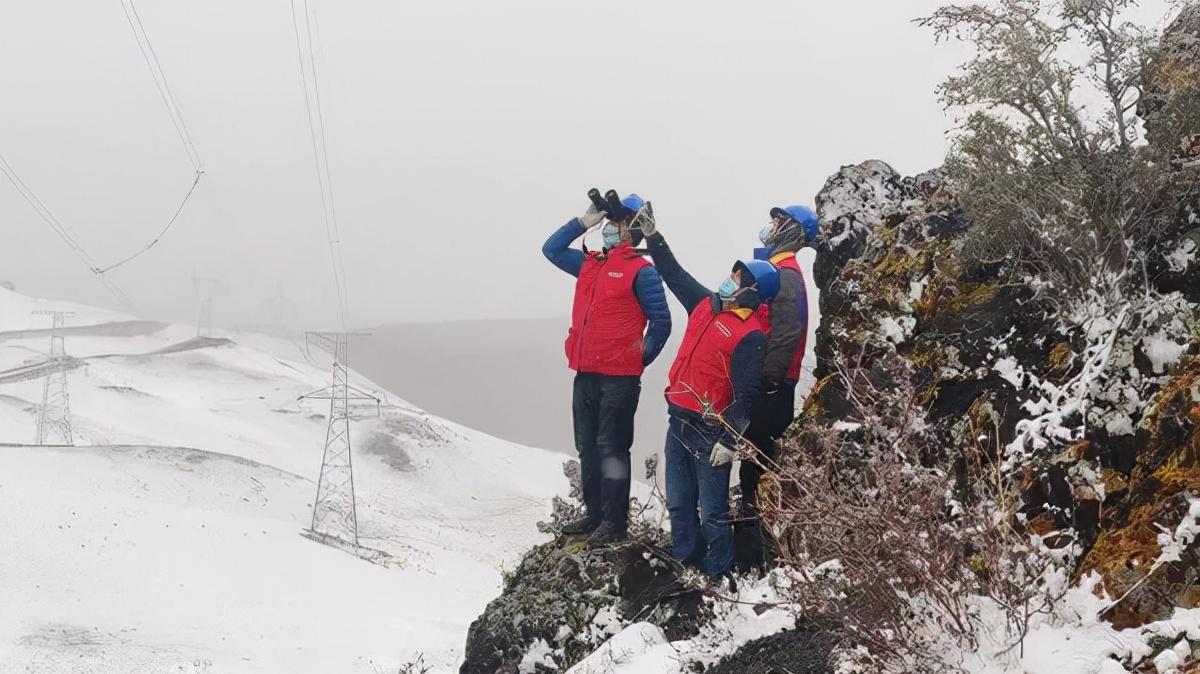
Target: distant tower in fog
<point x="54" y="416"/>
<point x="204" y="316"/>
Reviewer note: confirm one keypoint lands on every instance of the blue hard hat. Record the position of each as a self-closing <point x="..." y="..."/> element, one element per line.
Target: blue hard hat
<point x="766" y="278"/>
<point x="633" y="202"/>
<point x="801" y="214"/>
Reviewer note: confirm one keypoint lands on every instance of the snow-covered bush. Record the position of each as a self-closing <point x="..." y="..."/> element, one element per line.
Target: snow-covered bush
<point x="890" y="548"/>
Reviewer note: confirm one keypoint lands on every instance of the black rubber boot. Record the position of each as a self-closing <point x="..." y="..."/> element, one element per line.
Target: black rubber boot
<point x="580" y="527"/>
<point x="606" y="534"/>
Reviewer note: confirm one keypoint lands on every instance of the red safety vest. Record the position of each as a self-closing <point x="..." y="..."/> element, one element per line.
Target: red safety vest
<point x="607" y="322"/>
<point x="700" y="379"/>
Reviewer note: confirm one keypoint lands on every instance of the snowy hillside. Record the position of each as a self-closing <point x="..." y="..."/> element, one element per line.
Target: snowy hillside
<point x="168" y="539"/>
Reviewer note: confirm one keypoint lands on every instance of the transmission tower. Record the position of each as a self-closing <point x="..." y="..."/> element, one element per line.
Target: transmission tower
<point x="334" y="511"/>
<point x="204" y="322"/>
<point x="205" y="288"/>
<point x="54" y="416"/>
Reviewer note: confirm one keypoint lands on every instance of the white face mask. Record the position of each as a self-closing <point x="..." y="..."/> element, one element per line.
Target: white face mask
<point x="765" y="233"/>
<point x="611" y="234"/>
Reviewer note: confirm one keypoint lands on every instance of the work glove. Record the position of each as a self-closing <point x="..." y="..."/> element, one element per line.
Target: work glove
<point x="645" y="221"/>
<point x="591" y="217"/>
<point x="721" y="455"/>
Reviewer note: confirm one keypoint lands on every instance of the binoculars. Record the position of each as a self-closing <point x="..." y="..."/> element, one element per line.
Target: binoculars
<point x="611" y="204"/>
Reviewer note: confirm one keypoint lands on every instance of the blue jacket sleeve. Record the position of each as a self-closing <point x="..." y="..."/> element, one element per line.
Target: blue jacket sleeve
<point x="558" y="249"/>
<point x="745" y="369"/>
<point x="649" y="291"/>
<point x="682" y="285"/>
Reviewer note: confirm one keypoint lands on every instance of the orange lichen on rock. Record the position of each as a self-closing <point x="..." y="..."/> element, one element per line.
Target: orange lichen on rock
<point x="1165" y="478"/>
<point x="1059" y="362"/>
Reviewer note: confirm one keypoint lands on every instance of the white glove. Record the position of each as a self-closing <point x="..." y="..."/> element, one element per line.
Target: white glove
<point x="591" y="217"/>
<point x="645" y="221"/>
<point x="721" y="455"/>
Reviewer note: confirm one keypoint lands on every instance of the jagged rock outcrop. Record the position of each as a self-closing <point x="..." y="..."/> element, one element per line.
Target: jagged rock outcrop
<point x="567" y="598"/>
<point x="900" y="301"/>
<point x="905" y="303"/>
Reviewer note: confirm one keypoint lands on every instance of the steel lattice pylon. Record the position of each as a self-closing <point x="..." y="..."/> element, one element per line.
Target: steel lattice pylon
<point x="54" y="416"/>
<point x="205" y="287"/>
<point x="334" y="511"/>
<point x="204" y="322"/>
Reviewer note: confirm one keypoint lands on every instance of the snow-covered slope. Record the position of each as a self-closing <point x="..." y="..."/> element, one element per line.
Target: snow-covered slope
<point x="168" y="540"/>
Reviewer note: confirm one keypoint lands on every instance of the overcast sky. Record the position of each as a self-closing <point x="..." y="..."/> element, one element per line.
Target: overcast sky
<point x="460" y="134"/>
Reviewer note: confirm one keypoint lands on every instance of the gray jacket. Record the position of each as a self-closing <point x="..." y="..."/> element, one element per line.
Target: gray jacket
<point x="789" y="328"/>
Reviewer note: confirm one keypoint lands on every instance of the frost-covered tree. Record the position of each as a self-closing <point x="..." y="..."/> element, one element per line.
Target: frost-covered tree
<point x="1049" y="162"/>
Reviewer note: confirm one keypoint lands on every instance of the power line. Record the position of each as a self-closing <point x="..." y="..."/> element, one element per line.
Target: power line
<point x="160" y="235"/>
<point x="336" y="249"/>
<point x="316" y="129"/>
<point x="160" y="82"/>
<point x="168" y="98"/>
<point x="63" y="233"/>
<point x="44" y="212"/>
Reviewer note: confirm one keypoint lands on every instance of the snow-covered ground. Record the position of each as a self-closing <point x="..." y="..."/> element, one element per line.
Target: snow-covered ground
<point x="169" y="538"/>
<point x="1070" y="640"/>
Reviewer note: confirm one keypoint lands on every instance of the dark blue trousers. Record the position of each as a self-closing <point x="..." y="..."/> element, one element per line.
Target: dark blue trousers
<point x="697" y="497"/>
<point x="603" y="407"/>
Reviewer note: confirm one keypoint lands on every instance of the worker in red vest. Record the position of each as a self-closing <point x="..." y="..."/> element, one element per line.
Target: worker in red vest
<point x="619" y="324"/>
<point x="711" y="383"/>
<point x="790" y="229"/>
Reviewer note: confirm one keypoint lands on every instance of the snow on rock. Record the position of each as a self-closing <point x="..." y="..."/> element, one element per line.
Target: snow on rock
<point x="540" y="654"/>
<point x="1175" y="543"/>
<point x="1010" y="371"/>
<point x="172" y="538"/>
<point x="1055" y="416"/>
<point x="916" y="289"/>
<point x="1162" y="351"/>
<point x="759" y="609"/>
<point x="897" y="330"/>
<point x="1179" y="259"/>
<point x="577" y="597"/>
<point x="1169" y="661"/>
<point x="606" y="623"/>
<point x="756" y="613"/>
<point x="859" y="196"/>
<point x="1072" y="638"/>
<point x="640" y="648"/>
